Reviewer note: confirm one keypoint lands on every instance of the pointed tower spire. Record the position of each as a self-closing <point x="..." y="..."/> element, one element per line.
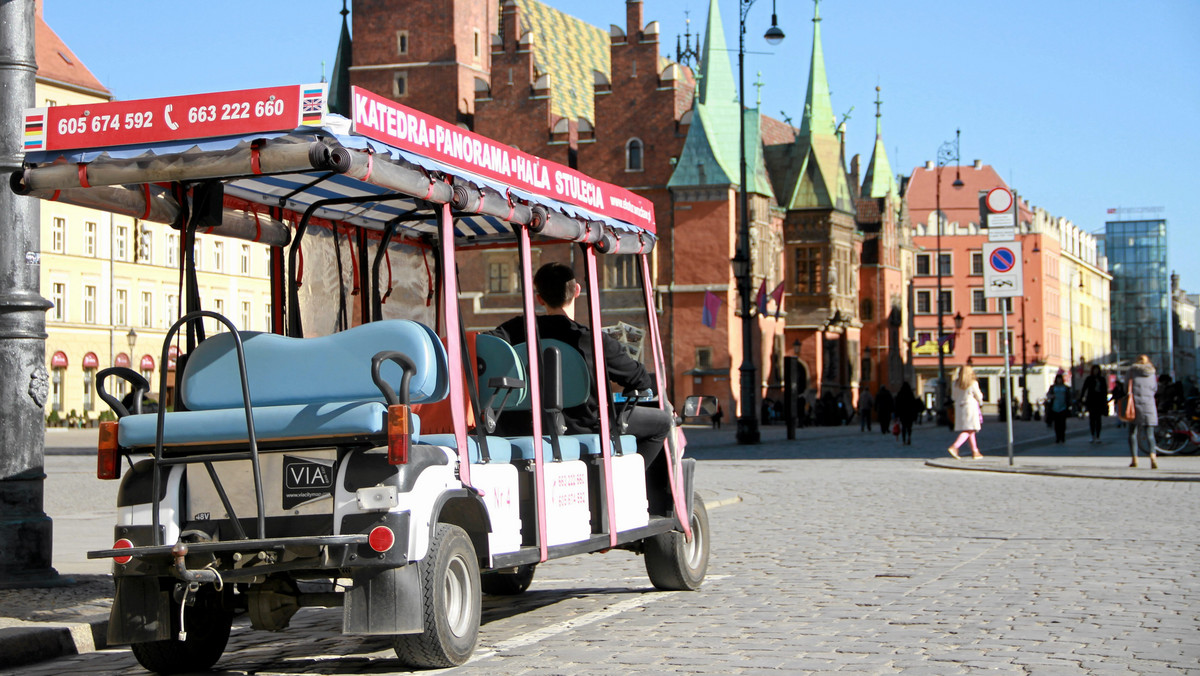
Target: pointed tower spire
<point x="339" y="85"/>
<point x="818" y="111"/>
<point x="716" y="81"/>
<point x="879" y="180"/>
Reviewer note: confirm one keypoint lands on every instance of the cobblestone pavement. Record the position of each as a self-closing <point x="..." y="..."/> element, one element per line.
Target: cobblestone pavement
<point x="850" y="562"/>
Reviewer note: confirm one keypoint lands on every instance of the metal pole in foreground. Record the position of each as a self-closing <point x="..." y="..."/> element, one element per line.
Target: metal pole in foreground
<point x="747" y="423"/>
<point x="1007" y="403"/>
<point x="25" y="530"/>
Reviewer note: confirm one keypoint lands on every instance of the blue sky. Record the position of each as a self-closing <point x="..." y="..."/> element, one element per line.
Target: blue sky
<point x="1081" y="105"/>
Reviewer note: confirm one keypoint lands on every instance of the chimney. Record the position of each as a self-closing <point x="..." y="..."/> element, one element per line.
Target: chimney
<point x="928" y="164"/>
<point x="633" y="19"/>
<point x="1174" y="283"/>
<point x="978" y="164"/>
<point x="512" y="29"/>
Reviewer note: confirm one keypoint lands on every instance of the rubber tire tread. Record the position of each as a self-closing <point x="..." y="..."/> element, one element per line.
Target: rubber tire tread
<point x="427" y="649"/>
<point x="208" y="634"/>
<point x="666" y="558"/>
<point x="508" y="584"/>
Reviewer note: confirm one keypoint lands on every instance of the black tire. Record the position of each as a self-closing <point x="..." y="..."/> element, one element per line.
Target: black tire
<point x="673" y="563"/>
<point x="207" y="627"/>
<point x="452" y="598"/>
<point x="508" y="584"/>
<point x="1171" y="436"/>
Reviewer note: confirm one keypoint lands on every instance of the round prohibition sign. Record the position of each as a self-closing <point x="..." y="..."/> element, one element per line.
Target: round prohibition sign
<point x="1002" y="259"/>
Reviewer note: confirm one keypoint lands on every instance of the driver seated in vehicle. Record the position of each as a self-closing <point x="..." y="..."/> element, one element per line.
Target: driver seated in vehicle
<point x="556" y="290"/>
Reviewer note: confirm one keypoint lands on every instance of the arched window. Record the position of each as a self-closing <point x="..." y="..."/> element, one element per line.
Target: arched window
<point x="633" y="155"/>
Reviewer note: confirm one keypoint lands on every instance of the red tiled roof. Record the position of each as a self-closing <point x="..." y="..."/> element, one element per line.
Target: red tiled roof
<point x="961" y="205"/>
<point x="775" y="132"/>
<point x="57" y="62"/>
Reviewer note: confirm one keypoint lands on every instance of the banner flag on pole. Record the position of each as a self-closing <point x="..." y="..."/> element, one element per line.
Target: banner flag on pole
<point x="777" y="294"/>
<point x="712" y="306"/>
<point x="762" y="298"/>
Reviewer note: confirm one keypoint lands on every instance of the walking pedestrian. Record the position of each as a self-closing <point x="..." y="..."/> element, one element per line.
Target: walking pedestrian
<point x="717" y="415"/>
<point x="1095" y="399"/>
<point x="968" y="409"/>
<point x="1142" y="386"/>
<point x="908" y="407"/>
<point x="865" y="404"/>
<point x="1117" y="397"/>
<point x="1058" y="404"/>
<point x="883" y="408"/>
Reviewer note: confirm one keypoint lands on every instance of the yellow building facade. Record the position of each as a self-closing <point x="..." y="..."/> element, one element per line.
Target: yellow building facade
<point x="114" y="281"/>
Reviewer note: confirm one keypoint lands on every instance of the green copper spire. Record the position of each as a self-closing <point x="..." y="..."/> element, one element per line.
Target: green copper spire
<point x="711" y="152"/>
<point x="818" y="111"/>
<point x="879" y="180"/>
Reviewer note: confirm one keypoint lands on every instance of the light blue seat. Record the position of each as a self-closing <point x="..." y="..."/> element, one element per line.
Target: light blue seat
<point x="499" y="448"/>
<point x="522" y="448"/>
<point x="590" y="444"/>
<point x="301" y="388"/>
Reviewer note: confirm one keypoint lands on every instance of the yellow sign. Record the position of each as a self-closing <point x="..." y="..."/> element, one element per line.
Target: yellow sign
<point x="929" y="348"/>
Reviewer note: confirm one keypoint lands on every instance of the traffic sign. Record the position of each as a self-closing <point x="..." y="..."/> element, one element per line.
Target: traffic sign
<point x="999" y="200"/>
<point x="1002" y="273"/>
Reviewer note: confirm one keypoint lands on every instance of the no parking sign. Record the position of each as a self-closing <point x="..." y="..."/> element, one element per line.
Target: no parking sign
<point x="1002" y="276"/>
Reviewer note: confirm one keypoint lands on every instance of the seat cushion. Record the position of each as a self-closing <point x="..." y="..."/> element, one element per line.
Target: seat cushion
<point x="590" y="444"/>
<point x="499" y="448"/>
<point x="271" y="423"/>
<point x="523" y="448"/>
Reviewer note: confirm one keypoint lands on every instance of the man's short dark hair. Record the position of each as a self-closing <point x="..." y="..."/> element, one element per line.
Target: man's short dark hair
<point x="552" y="282"/>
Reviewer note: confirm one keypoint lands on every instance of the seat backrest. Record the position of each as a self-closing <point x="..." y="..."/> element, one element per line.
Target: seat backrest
<point x="495" y="358"/>
<point x="576" y="380"/>
<point x="333" y="368"/>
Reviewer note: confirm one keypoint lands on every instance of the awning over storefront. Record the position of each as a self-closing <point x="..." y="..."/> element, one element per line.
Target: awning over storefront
<point x="172" y="355"/>
<point x="91" y="361"/>
<point x="58" y="360"/>
<point x="147" y="363"/>
<point x="121" y="359"/>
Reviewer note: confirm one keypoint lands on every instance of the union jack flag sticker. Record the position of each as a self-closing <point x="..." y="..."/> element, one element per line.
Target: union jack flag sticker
<point x="312" y="105"/>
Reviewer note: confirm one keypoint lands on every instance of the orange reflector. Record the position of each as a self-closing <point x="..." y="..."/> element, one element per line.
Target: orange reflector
<point x="381" y="538"/>
<point x="108" y="460"/>
<point x="122" y="544"/>
<point x="398" y="436"/>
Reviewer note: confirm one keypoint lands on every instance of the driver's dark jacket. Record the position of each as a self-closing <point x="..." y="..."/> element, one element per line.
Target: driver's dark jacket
<point x="622" y="369"/>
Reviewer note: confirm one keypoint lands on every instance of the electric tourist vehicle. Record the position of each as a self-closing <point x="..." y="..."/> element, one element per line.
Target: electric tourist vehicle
<point x="351" y="455"/>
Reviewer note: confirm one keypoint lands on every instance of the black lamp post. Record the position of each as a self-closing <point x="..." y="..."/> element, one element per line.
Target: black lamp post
<point x="947" y="153"/>
<point x="747" y="425"/>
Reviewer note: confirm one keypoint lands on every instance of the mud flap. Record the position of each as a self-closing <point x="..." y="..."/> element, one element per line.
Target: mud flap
<point x="689" y="487"/>
<point x="141" y="612"/>
<point x="387" y="601"/>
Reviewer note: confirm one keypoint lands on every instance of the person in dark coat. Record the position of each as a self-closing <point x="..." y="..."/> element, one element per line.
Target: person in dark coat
<point x="1058" y="404"/>
<point x="1095" y="400"/>
<point x="883" y="407"/>
<point x="1117" y="397"/>
<point x="908" y="407"/>
<point x="1142" y="386"/>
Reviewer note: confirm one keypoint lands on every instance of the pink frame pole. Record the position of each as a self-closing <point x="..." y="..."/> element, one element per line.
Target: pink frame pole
<point x="674" y="475"/>
<point x="534" y="377"/>
<point x="601" y="390"/>
<point x="458" y="411"/>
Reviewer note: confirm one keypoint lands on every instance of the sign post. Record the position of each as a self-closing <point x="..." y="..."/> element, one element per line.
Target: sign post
<point x="1003" y="279"/>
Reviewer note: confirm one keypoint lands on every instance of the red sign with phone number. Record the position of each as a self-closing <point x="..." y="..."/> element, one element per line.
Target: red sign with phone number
<point x="173" y="118"/>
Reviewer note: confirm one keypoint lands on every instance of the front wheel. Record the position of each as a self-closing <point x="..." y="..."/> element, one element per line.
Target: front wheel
<point x="451" y="593"/>
<point x="1171" y="436"/>
<point x="673" y="563"/>
<point x="207" y="625"/>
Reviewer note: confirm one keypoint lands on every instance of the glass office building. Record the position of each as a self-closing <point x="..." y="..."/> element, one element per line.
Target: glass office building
<point x="1140" y="302"/>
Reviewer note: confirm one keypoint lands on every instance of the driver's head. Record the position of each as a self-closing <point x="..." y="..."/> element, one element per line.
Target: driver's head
<point x="555" y="284"/>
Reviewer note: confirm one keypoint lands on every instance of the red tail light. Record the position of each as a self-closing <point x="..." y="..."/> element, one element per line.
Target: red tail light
<point x="122" y="544"/>
<point x="398" y="434"/>
<point x="381" y="538"/>
<point x="108" y="459"/>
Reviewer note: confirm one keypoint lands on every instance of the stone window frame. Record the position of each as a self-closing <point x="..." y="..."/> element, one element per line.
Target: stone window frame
<point x="630" y="155"/>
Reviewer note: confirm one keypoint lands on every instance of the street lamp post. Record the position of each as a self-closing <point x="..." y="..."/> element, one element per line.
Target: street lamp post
<point x="947" y="152"/>
<point x="747" y="425"/>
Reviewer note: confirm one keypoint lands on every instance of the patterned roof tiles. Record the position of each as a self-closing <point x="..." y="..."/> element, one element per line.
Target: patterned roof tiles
<point x="571" y="51"/>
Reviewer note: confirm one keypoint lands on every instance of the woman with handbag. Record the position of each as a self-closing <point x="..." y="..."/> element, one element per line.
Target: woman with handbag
<point x="968" y="409"/>
<point x="1142" y="386"/>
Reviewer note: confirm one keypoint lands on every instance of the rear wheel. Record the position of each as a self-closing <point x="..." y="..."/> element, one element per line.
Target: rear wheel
<point x="673" y="563"/>
<point x="508" y="583"/>
<point x="450" y="589"/>
<point x="1171" y="436"/>
<point x="207" y="625"/>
